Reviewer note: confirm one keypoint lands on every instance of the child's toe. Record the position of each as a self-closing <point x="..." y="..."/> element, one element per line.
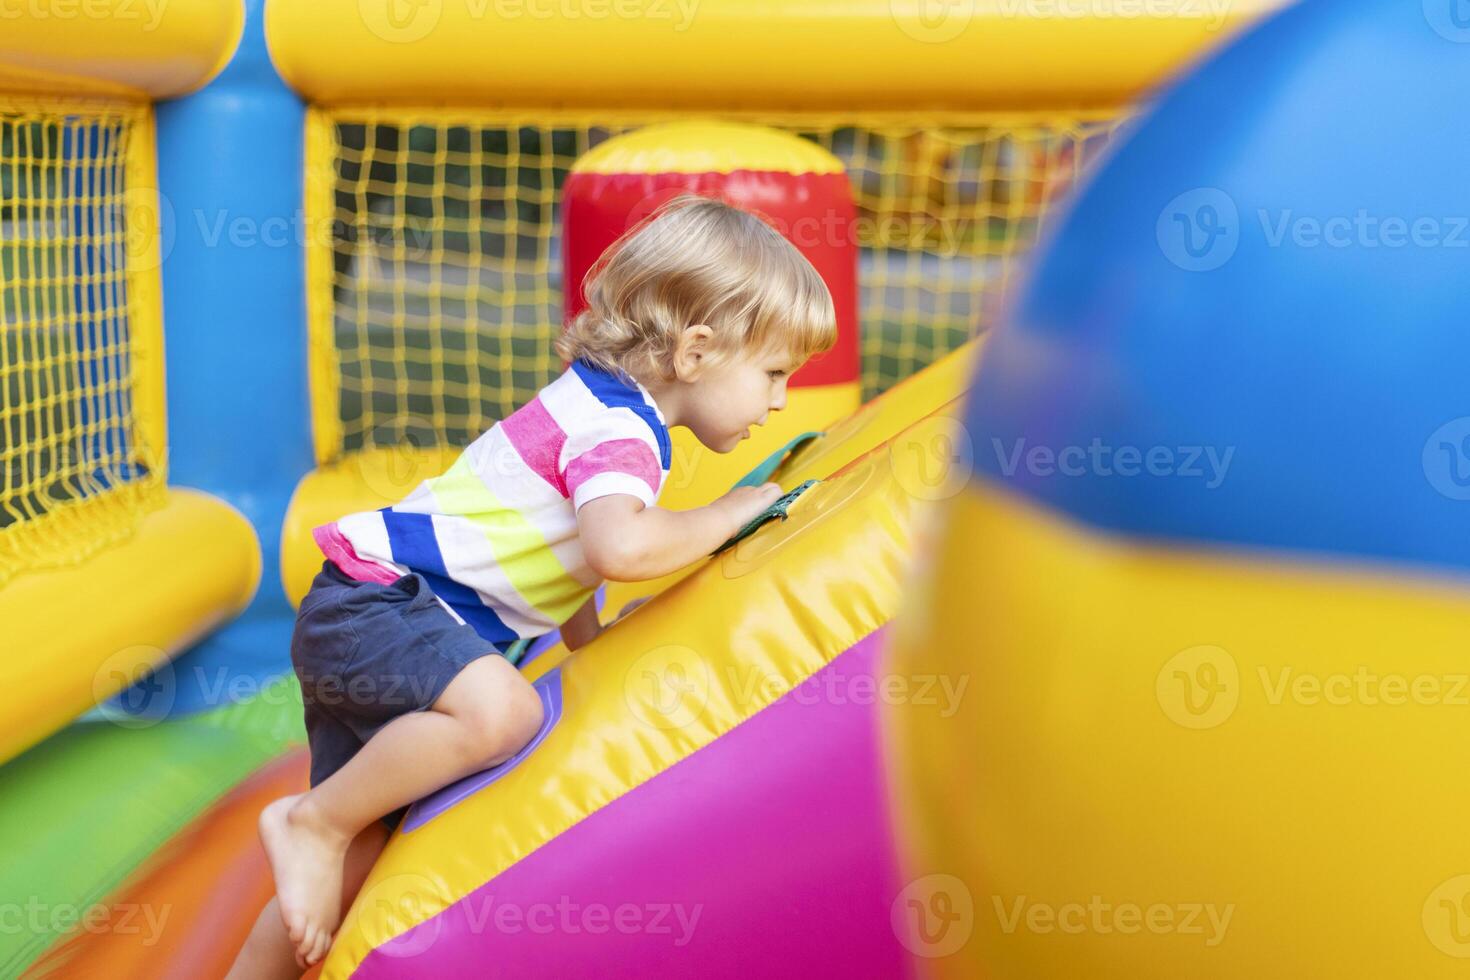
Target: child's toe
<point x="324" y="943"/>
<point x="307" y="944"/>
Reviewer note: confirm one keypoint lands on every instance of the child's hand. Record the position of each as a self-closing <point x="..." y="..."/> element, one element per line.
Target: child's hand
<point x="743" y="504"/>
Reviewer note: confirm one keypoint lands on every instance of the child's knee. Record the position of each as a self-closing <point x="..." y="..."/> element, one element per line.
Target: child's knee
<point x="522" y="712"/>
<point x="505" y="712"/>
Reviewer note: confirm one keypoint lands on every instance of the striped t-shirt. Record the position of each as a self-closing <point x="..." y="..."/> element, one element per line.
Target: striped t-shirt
<point x="495" y="536"/>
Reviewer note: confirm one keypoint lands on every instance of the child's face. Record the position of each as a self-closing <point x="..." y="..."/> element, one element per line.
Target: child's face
<point x="738" y="394"/>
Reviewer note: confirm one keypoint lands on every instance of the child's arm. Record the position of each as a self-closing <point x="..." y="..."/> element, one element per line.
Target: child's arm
<point x="583" y="627"/>
<point x="624" y="541"/>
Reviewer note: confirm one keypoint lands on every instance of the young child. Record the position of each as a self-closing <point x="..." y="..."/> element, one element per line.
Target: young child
<point x="697" y="317"/>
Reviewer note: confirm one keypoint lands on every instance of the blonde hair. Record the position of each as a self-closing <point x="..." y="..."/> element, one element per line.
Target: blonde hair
<point x="699" y="260"/>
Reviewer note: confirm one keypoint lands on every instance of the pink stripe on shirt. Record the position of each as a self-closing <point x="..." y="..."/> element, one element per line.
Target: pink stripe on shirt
<point x="631" y="456"/>
<point x="538" y="440"/>
<point x="336" y="547"/>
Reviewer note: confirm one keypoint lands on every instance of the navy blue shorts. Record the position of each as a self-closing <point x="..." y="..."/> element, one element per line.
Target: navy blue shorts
<point x="366" y="653"/>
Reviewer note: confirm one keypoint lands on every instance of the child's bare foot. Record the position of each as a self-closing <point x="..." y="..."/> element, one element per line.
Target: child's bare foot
<point x="306" y="859"/>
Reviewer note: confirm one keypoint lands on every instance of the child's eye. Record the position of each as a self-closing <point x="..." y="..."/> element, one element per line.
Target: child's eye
<point x="775" y="374"/>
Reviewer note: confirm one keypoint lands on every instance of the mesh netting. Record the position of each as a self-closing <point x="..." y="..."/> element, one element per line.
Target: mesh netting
<point x="73" y="474"/>
<point x="436" y="313"/>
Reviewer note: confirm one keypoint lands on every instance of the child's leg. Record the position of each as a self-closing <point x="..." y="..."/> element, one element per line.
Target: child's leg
<point x="483" y="717"/>
<point x="268" y="953"/>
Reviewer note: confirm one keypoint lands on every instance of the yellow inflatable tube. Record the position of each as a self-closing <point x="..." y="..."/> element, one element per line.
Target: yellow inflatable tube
<point x="684" y="54"/>
<point x="77" y="636"/>
<point x="1180" y="762"/>
<point x="153" y="49"/>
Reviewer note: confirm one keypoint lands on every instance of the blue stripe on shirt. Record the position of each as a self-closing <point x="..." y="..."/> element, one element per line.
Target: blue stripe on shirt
<point x="412" y="541"/>
<point x="616" y="393"/>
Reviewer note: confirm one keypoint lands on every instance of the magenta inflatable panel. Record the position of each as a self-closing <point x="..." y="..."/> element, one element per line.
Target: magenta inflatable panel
<point x="767" y="853"/>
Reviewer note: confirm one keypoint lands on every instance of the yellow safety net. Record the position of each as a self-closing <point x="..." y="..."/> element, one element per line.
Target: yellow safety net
<point x="435" y="286"/>
<point x="75" y="471"/>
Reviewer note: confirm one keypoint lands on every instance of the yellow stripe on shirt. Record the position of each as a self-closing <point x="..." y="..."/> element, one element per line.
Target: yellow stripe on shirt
<point x="519" y="547"/>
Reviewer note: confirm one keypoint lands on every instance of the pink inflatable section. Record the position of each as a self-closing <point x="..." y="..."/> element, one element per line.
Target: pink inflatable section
<point x="766" y="853"/>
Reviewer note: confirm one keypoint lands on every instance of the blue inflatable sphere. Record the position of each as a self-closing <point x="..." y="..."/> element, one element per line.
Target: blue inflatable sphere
<point x="1254" y="326"/>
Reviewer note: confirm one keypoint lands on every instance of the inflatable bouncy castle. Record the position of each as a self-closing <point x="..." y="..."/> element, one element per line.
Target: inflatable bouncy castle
<point x="267" y="264"/>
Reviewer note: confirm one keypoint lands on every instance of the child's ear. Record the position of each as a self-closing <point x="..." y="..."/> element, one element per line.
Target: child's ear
<point x="689" y="351"/>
